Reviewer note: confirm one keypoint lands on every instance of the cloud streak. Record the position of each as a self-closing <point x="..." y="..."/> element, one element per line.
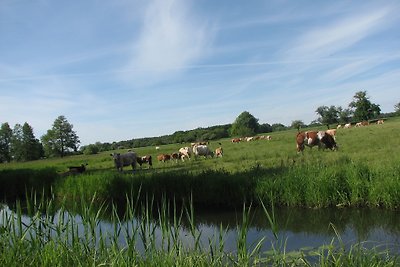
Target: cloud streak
<point x="344" y="33"/>
<point x="170" y="39"/>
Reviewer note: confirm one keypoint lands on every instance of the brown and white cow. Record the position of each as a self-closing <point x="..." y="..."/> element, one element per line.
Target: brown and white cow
<point x="185" y="152"/>
<point x="219" y="152"/>
<point x="145" y="159"/>
<point x="176" y="156"/>
<point x="315" y="138"/>
<point x="235" y="140"/>
<point x="331" y="132"/>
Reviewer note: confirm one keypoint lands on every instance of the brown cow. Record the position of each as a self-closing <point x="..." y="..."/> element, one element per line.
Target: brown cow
<point x="164" y="157"/>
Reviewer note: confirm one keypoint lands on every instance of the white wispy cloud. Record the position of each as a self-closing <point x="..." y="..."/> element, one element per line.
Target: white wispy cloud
<point x="171" y="38"/>
<point x="329" y="39"/>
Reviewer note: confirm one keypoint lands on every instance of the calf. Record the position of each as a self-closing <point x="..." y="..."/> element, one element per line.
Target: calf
<point x="77" y="169"/>
<point x="164" y="157"/>
<point x="176" y="156"/>
<point x="219" y="152"/>
<point x="145" y="159"/>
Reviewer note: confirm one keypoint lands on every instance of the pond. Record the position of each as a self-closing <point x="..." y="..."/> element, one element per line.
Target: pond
<point x="296" y="228"/>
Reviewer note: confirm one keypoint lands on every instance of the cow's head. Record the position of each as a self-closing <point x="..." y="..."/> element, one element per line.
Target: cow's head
<point x="117" y="159"/>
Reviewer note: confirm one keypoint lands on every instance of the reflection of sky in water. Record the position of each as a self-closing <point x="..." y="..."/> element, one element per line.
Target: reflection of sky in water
<point x="375" y="228"/>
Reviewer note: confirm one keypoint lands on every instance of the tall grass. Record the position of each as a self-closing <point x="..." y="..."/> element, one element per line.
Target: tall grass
<point x="62" y="239"/>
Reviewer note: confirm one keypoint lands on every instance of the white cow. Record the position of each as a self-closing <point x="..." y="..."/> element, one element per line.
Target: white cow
<point x="202" y="150"/>
<point x="121" y="160"/>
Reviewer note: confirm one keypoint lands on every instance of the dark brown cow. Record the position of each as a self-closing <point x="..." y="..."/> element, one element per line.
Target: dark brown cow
<point x="77" y="169"/>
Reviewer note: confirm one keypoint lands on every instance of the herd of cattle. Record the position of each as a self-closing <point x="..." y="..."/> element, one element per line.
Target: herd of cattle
<point x="322" y="139"/>
<point x="195" y="150"/>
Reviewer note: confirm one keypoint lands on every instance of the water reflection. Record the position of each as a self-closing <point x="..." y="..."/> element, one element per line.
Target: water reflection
<point x="297" y="228"/>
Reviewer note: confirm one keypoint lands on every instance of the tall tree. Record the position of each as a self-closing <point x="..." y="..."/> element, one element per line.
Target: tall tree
<point x="327" y="115"/>
<point x="31" y="147"/>
<point x="5" y="142"/>
<point x="297" y="124"/>
<point x="244" y="125"/>
<point x="397" y="108"/>
<point x="61" y="138"/>
<point x="17" y="143"/>
<point x="344" y="115"/>
<point x="362" y="108"/>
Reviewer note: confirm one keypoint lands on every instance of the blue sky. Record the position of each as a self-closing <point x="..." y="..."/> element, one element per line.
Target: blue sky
<point x="126" y="69"/>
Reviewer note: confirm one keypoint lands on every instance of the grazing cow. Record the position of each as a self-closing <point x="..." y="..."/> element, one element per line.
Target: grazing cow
<point x="145" y="159"/>
<point x="157" y="148"/>
<point x="202" y="150"/>
<point x="314" y="138"/>
<point x="380" y="122"/>
<point x="185" y="152"/>
<point x="347" y="125"/>
<point x="327" y="140"/>
<point x="121" y="160"/>
<point x="175" y="156"/>
<point x="332" y="132"/>
<point x="163" y="157"/>
<point x="339" y="126"/>
<point x="219" y="152"/>
<point x="268" y="137"/>
<point x="77" y="169"/>
<point x="362" y="123"/>
<point x="235" y="140"/>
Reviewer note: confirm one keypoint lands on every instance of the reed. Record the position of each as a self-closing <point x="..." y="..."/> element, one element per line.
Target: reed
<point x="51" y="238"/>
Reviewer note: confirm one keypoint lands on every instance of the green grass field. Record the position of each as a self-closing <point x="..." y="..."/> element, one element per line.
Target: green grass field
<point x="365" y="171"/>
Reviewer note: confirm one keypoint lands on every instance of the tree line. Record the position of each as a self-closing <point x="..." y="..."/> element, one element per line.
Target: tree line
<point x="20" y="144"/>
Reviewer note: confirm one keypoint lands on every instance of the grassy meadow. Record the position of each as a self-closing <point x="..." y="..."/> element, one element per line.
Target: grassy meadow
<point x="364" y="172"/>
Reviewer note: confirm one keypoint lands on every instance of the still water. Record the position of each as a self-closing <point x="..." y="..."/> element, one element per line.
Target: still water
<point x="296" y="228"/>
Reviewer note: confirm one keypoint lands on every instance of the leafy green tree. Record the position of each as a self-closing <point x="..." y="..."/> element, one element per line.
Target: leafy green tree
<point x="362" y="108"/>
<point x="17" y="143"/>
<point x="91" y="149"/>
<point x="5" y="142"/>
<point x="265" y="128"/>
<point x="327" y="115"/>
<point x="278" y="127"/>
<point x="245" y="125"/>
<point x="297" y="124"/>
<point x="24" y="145"/>
<point x="344" y="115"/>
<point x="397" y="108"/>
<point x="60" y="139"/>
<point x="31" y="149"/>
